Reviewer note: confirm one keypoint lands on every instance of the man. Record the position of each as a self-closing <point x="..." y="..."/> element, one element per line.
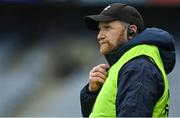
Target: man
<point x="134" y="83"/>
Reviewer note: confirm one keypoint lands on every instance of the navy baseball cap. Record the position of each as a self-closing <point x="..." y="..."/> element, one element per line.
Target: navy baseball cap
<point x="116" y="11"/>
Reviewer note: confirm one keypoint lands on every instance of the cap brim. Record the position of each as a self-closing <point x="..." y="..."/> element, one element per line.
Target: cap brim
<point x="92" y="21"/>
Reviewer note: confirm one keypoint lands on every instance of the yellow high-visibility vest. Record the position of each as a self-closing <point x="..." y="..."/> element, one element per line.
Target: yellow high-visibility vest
<point x="105" y="104"/>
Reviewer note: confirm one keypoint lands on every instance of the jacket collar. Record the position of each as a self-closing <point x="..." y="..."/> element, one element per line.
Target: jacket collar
<point x="114" y="56"/>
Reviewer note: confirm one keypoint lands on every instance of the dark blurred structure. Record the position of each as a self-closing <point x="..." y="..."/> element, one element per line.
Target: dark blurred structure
<point x="45" y="45"/>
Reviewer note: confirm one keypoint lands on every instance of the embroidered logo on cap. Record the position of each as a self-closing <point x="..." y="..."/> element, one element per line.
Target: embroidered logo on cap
<point x="107" y="8"/>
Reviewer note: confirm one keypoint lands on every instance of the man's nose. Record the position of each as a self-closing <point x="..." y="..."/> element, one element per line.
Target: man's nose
<point x="100" y="35"/>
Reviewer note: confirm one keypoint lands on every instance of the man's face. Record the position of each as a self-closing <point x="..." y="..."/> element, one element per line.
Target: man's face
<point x="111" y="35"/>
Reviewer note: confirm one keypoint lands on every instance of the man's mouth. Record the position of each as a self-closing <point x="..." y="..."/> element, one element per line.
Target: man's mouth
<point x="101" y="43"/>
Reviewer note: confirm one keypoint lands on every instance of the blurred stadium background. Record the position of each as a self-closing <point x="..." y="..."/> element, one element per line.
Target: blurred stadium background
<point x="46" y="53"/>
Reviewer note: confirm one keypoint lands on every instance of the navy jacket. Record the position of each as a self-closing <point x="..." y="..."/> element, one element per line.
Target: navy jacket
<point x="140" y="82"/>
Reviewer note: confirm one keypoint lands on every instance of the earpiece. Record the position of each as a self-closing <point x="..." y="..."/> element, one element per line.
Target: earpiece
<point x="129" y="31"/>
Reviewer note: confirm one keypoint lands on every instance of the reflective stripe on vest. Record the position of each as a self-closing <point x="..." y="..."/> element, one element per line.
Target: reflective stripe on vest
<point x="105" y="104"/>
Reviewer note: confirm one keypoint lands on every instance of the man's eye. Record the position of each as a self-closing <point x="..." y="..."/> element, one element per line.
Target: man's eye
<point x="107" y="27"/>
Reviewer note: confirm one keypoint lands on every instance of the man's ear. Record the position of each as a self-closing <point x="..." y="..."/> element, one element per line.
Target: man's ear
<point x="131" y="32"/>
